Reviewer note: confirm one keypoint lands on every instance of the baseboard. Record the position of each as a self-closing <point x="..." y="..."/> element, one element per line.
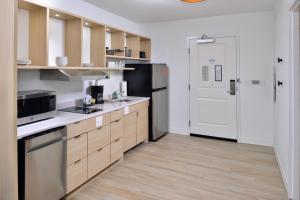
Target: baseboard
<point x="261" y="142"/>
<point x="179" y="131"/>
<point x="283" y="175"/>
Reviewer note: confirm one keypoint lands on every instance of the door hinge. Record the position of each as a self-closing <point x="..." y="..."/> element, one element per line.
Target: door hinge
<point x="189" y="123"/>
<point x="189" y="50"/>
<point x="189" y="87"/>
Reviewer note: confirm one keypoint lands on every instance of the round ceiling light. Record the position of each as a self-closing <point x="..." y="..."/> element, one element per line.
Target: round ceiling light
<point x="192" y="1"/>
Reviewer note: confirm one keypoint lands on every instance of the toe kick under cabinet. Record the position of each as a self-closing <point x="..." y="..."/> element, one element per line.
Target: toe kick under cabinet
<point x="92" y="149"/>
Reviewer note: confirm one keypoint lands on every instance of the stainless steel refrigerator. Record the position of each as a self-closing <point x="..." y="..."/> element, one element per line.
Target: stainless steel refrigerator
<point x="151" y="80"/>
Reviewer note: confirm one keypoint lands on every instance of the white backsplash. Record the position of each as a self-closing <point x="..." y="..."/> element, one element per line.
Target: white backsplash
<point x="67" y="92"/>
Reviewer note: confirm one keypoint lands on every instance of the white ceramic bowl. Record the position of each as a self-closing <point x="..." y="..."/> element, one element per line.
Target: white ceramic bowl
<point x="23" y="62"/>
<point x="88" y="65"/>
<point x="61" y="61"/>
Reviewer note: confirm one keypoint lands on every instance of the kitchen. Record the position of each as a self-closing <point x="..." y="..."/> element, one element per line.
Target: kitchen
<point x="105" y="95"/>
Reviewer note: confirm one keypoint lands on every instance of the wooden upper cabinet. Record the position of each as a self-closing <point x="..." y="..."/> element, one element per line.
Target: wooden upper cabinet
<point x="36" y="30"/>
<point x="115" y="40"/>
<point x="94" y="40"/>
<point x="52" y="33"/>
<point x="130" y="130"/>
<point x="72" y="41"/>
<point x="132" y="44"/>
<point x="142" y="125"/>
<point x="145" y="46"/>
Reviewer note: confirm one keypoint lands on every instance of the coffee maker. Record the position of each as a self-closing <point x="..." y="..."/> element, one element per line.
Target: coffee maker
<point x="97" y="93"/>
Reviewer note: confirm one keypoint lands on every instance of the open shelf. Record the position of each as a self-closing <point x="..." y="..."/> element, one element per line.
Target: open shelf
<point x="31" y="67"/>
<point x="145" y="46"/>
<point x="125" y="58"/>
<point x="132" y="43"/>
<point x="70" y="44"/>
<point x="46" y="33"/>
<point x="34" y="26"/>
<point x="117" y="40"/>
<point x="94" y="43"/>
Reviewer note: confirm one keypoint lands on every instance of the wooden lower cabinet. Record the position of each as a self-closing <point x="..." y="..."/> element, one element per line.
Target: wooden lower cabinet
<point x="76" y="174"/>
<point x="116" y="150"/>
<point x="76" y="148"/>
<point x="142" y="125"/>
<point x="91" y="150"/>
<point x="116" y="130"/>
<point x="130" y="130"/>
<point x="77" y="128"/>
<point x="98" y="138"/>
<point x="98" y="161"/>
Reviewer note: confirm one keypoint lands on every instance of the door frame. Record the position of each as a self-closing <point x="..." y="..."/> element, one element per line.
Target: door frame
<point x="238" y="110"/>
<point x="294" y="106"/>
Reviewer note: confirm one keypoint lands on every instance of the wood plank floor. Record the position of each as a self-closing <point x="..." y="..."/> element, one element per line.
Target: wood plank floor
<point x="188" y="168"/>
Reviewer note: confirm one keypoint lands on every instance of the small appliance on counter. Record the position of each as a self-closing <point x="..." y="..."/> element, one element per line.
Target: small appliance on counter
<point x="97" y="92"/>
<point x="35" y="105"/>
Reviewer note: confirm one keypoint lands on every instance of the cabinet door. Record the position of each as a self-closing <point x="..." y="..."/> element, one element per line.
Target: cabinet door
<point x="116" y="150"/>
<point x="117" y="129"/>
<point x="76" y="174"/>
<point x="142" y="125"/>
<point x="130" y="128"/>
<point x="98" y="138"/>
<point x="76" y="148"/>
<point x="98" y="161"/>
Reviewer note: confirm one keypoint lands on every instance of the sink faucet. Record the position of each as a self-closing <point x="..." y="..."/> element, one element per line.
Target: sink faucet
<point x="115" y="94"/>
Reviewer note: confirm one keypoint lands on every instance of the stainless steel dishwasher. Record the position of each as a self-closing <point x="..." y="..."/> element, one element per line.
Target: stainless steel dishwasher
<point x="44" y="165"/>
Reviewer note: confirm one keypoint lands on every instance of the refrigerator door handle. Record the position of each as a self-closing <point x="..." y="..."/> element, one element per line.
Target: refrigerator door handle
<point x="159" y="89"/>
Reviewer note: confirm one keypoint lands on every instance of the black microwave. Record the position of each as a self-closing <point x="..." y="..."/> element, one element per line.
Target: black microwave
<point x="35" y="105"/>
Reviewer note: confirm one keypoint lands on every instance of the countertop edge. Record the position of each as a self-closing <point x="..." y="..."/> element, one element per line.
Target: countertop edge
<point x="81" y="117"/>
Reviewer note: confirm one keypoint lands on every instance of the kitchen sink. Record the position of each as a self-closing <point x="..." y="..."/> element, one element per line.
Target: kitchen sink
<point x="119" y="101"/>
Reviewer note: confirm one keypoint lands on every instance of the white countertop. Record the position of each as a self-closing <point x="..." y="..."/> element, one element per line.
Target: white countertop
<point x="65" y="118"/>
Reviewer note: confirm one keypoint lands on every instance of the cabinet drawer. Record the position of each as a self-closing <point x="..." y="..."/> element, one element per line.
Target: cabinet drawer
<point x="76" y="174"/>
<point x="116" y="130"/>
<point x="136" y="107"/>
<point x="105" y="120"/>
<point x="116" y="115"/>
<point x="76" y="148"/>
<point x="130" y="129"/>
<point x="142" y="125"/>
<point x="98" y="138"/>
<point x="116" y="150"/>
<point x="77" y="128"/>
<point x="98" y="161"/>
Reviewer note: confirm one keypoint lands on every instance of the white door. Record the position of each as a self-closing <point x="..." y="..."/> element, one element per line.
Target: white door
<point x="213" y="100"/>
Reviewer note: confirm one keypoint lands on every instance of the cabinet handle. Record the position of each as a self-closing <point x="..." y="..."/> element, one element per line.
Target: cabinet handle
<point x="77" y="122"/>
<point x="78" y="161"/>
<point x="99" y="150"/>
<point x="117" y="140"/>
<point x="117" y="121"/>
<point x="77" y="137"/>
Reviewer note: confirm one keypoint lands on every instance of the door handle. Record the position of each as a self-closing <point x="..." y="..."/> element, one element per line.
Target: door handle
<point x="232" y="90"/>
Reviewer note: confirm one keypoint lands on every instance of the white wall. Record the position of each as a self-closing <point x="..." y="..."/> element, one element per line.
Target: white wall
<point x="68" y="91"/>
<point x="283" y="108"/>
<point x="255" y="32"/>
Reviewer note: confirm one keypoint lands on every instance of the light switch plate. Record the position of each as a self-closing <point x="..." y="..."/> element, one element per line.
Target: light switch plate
<point x="99" y="121"/>
<point x="126" y="110"/>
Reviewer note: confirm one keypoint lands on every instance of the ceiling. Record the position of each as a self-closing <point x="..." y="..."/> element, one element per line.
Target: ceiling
<point x="147" y="11"/>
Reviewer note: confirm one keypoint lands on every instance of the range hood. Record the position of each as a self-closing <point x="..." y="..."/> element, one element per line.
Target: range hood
<point x="71" y="74"/>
